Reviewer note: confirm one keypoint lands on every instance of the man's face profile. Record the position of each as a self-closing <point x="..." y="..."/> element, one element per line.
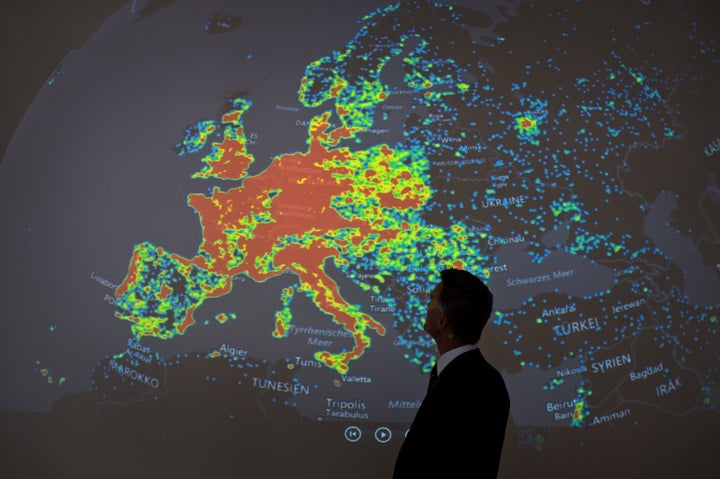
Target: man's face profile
<point x="434" y="313"/>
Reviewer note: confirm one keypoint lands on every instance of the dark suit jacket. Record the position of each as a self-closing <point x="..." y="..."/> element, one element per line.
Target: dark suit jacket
<point x="458" y="430"/>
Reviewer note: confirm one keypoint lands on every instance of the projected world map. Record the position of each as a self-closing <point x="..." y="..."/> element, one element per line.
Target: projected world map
<point x="277" y="207"/>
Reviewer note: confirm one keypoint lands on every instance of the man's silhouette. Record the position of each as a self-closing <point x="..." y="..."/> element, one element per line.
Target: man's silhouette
<point x="458" y="430"/>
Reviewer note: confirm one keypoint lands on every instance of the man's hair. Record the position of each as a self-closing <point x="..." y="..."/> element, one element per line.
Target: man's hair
<point x="467" y="302"/>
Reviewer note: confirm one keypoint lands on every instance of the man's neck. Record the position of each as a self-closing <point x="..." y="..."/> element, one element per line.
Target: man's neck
<point x="448" y="344"/>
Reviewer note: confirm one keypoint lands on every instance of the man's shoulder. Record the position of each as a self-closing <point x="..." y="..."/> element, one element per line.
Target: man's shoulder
<point x="471" y="381"/>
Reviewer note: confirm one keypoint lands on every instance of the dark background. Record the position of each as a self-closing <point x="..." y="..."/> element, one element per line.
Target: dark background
<point x="35" y="36"/>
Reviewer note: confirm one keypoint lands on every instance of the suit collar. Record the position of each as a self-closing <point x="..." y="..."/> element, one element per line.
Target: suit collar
<point x="446" y="358"/>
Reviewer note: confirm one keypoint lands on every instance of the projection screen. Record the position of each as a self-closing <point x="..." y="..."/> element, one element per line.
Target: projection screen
<point x="221" y="221"/>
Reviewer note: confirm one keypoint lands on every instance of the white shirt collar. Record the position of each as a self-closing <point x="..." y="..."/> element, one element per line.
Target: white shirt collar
<point x="445" y="359"/>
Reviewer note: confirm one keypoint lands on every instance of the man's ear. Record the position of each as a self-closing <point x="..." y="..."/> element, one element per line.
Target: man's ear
<point x="443" y="322"/>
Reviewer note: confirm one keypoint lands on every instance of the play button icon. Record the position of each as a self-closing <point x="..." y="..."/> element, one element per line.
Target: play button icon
<point x="383" y="434"/>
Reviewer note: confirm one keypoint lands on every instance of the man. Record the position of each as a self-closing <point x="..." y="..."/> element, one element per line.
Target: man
<point x="458" y="430"/>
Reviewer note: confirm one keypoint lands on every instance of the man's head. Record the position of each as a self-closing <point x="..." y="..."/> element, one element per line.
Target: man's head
<point x="460" y="306"/>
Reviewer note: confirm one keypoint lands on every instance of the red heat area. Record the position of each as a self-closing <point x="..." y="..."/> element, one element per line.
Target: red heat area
<point x="302" y="209"/>
<point x="232" y="158"/>
<point x="131" y="276"/>
<point x="188" y="320"/>
<point x="164" y="292"/>
<point x="303" y="205"/>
